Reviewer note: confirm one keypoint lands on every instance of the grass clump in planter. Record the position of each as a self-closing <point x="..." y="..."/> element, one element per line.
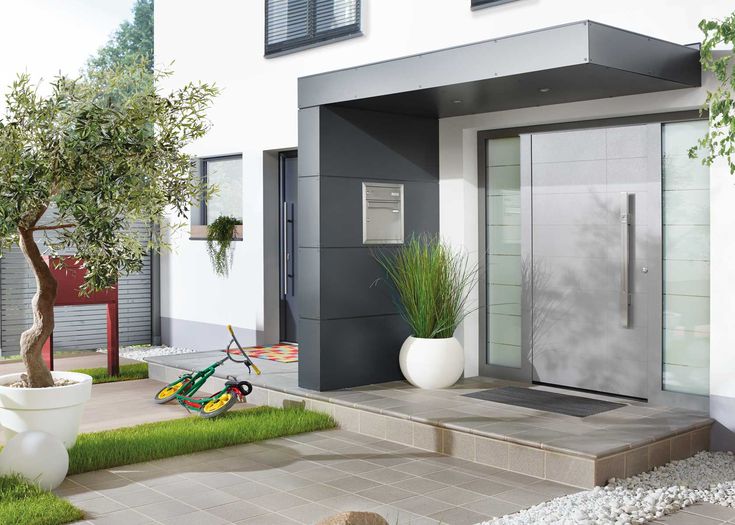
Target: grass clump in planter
<point x="127" y="373"/>
<point x="150" y="441"/>
<point x="219" y="241"/>
<point x="22" y="503"/>
<point x="431" y="284"/>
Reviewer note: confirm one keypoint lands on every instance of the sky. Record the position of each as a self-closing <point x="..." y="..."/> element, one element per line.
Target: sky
<point x="51" y="36"/>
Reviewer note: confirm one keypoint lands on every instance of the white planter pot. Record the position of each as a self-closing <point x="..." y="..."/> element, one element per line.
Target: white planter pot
<point x="54" y="410"/>
<point x="432" y="363"/>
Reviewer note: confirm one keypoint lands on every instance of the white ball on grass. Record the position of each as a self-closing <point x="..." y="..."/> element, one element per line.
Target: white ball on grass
<point x="37" y="456"/>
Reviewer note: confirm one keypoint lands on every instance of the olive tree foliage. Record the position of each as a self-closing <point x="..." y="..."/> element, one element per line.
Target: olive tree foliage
<point x="720" y="139"/>
<point x="80" y="165"/>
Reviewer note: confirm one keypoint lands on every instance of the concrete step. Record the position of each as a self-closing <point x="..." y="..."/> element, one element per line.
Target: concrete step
<point x="583" y="461"/>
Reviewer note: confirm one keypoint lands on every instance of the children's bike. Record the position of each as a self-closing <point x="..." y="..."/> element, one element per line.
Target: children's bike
<point x="184" y="388"/>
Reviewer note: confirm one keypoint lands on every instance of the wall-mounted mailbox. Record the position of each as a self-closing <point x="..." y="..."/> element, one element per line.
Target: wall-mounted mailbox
<point x="382" y="213"/>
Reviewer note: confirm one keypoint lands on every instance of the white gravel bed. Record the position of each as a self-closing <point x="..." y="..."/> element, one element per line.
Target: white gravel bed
<point x="708" y="477"/>
<point x="140" y="353"/>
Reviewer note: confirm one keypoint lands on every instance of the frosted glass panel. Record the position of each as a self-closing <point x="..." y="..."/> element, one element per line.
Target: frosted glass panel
<point x="503" y="221"/>
<point x="504" y="152"/>
<point x="686" y="234"/>
<point x="503" y="179"/>
<point x="505" y="355"/>
<point x="504" y="299"/>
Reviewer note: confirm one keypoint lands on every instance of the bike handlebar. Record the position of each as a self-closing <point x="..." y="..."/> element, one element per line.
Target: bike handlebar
<point x="246" y="359"/>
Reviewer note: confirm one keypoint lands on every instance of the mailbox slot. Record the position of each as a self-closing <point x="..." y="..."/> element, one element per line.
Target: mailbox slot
<point x="382" y="213"/>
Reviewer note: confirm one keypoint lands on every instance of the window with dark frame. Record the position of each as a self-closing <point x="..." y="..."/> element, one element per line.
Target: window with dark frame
<point x="226" y="173"/>
<point x="478" y="4"/>
<point x="297" y="24"/>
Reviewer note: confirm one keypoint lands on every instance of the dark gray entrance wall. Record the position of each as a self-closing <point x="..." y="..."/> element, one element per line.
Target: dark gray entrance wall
<point x="350" y="331"/>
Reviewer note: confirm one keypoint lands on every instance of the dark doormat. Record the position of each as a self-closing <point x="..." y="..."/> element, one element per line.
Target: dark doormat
<point x="548" y="401"/>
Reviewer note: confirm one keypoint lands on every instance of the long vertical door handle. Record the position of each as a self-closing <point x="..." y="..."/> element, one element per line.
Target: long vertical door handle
<point x="625" y="259"/>
<point x="284" y="229"/>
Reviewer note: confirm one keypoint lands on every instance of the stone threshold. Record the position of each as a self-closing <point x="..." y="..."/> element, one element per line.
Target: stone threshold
<point x="539" y="460"/>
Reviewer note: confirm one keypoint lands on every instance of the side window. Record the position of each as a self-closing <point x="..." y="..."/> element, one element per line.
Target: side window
<point x="226" y="174"/>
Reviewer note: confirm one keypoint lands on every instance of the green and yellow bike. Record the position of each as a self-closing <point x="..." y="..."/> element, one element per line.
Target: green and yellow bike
<point x="184" y="388"/>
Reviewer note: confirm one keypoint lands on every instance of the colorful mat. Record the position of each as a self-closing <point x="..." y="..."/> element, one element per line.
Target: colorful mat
<point x="283" y="353"/>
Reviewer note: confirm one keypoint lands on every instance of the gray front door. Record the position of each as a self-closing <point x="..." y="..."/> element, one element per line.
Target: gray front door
<point x="595" y="217"/>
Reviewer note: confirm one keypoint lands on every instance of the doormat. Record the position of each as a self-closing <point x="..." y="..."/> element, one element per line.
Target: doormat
<point x="283" y="353"/>
<point x="547" y="401"/>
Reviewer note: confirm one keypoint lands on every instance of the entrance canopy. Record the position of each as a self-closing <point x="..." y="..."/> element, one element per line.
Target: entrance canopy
<point x="379" y="123"/>
<point x="578" y="61"/>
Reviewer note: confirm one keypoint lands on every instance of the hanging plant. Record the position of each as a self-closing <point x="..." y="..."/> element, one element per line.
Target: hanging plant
<point x="219" y="243"/>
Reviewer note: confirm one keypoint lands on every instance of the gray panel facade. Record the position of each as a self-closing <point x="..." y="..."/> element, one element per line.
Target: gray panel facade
<point x="350" y="330"/>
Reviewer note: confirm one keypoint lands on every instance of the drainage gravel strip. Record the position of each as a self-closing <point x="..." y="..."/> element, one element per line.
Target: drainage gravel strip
<point x="708" y="477"/>
<point x="139" y="353"/>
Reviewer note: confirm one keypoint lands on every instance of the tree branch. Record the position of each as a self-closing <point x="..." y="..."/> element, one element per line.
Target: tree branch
<point x="53" y="227"/>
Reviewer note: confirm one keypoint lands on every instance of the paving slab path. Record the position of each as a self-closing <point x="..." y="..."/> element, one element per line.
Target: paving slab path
<point x="302" y="479"/>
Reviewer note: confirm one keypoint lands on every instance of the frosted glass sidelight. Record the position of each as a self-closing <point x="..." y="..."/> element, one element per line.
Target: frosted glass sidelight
<point x="686" y="285"/>
<point x="503" y="219"/>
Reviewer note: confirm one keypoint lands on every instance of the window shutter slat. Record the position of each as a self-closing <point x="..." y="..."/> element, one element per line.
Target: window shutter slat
<point x="287" y="20"/>
<point x="291" y="24"/>
<point x="332" y="14"/>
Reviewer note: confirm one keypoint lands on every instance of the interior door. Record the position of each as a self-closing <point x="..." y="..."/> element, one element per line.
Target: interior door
<point x="289" y="305"/>
<point x="596" y="245"/>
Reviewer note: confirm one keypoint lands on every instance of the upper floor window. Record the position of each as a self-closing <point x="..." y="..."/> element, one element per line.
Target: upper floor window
<point x="295" y="24"/>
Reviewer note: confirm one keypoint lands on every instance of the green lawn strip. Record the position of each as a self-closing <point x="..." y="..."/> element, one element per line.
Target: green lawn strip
<point x="22" y="503"/>
<point x="150" y="441"/>
<point x="127" y="373"/>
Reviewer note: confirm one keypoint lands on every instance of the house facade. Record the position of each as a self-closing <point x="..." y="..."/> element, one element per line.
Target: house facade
<point x="547" y="140"/>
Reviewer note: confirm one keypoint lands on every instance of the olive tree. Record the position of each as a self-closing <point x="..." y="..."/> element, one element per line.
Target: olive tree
<point x="80" y="165"/>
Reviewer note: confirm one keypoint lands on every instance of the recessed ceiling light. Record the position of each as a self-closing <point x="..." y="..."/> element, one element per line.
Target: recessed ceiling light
<point x="544" y="90"/>
<point x="456" y="101"/>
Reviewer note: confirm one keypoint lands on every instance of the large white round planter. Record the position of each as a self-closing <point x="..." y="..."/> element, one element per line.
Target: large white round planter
<point x="55" y="410"/>
<point x="431" y="363"/>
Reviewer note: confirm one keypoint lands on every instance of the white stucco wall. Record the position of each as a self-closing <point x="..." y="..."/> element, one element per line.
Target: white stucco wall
<point x="222" y="42"/>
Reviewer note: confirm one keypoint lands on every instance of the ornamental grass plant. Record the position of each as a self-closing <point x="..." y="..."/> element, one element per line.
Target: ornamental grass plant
<point x="431" y="284"/>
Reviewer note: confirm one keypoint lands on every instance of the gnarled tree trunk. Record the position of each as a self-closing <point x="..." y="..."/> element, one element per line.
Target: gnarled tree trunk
<point x="32" y="340"/>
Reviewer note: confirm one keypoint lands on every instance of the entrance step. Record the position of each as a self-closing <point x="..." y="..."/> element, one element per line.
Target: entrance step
<point x="583" y="452"/>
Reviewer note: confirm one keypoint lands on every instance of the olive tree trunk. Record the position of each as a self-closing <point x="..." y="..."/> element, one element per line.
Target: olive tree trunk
<point x="32" y="340"/>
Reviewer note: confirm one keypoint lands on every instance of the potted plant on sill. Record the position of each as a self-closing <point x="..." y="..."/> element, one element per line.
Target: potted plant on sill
<point x="79" y="167"/>
<point x="220" y="234"/>
<point x="431" y="284"/>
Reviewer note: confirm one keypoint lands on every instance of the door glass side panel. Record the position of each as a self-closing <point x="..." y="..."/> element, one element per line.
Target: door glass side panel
<point x="503" y="258"/>
<point x="686" y="234"/>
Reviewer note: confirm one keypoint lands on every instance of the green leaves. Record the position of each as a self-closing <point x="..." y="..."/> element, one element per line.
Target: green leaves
<point x="219" y="239"/>
<point x="432" y="284"/>
<point x="131" y="43"/>
<point x="720" y="139"/>
<point x="102" y="154"/>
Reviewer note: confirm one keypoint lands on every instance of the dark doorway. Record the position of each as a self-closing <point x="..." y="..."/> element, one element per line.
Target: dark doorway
<point x="287" y="162"/>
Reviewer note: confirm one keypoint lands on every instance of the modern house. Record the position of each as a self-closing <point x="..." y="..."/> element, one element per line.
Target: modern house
<point x="547" y="139"/>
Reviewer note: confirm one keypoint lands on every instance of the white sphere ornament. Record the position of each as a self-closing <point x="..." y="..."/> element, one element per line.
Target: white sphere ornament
<point x="38" y="457"/>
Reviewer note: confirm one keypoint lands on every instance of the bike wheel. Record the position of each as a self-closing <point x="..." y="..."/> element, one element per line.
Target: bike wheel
<point x="168" y="392"/>
<point x="218" y="406"/>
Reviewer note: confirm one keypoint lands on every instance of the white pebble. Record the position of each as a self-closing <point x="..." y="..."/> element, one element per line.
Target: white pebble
<point x="707" y="477"/>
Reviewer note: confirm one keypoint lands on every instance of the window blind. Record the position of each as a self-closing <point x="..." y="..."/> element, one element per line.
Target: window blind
<point x="292" y="24"/>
